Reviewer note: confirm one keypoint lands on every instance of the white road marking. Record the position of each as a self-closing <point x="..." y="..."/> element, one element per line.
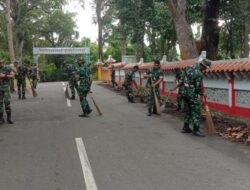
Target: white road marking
<point x="86" y="167"/>
<point x="68" y="101"/>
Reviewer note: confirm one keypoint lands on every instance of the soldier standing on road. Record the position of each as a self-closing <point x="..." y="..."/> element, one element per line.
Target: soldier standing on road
<point x="33" y="76"/>
<point x="5" y="76"/>
<point x="21" y="74"/>
<point x="180" y="96"/>
<point x="191" y="79"/>
<point x="71" y="71"/>
<point x="112" y="71"/>
<point x="155" y="77"/>
<point x="84" y="75"/>
<point x="128" y="84"/>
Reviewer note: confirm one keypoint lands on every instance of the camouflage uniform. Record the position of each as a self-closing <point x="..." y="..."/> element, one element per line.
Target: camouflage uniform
<point x="156" y="75"/>
<point x="129" y="77"/>
<point x="22" y="72"/>
<point x="33" y="76"/>
<point x="84" y="88"/>
<point x="71" y="71"/>
<point x="180" y="96"/>
<point x="113" y="77"/>
<point x="5" y="94"/>
<point x="192" y="90"/>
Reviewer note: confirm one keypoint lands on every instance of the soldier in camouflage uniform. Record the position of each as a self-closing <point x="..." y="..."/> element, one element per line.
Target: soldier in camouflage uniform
<point x="180" y="96"/>
<point x="128" y="84"/>
<point x="33" y="76"/>
<point x="71" y="71"/>
<point x="85" y="78"/>
<point x="112" y="72"/>
<point x="191" y="79"/>
<point x="5" y="76"/>
<point x="21" y="74"/>
<point x="155" y="77"/>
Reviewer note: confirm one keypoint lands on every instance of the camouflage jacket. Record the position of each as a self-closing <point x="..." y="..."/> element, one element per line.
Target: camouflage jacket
<point x="84" y="76"/>
<point x="192" y="78"/>
<point x="71" y="71"/>
<point x="5" y="70"/>
<point x="22" y="72"/>
<point x="156" y="75"/>
<point x="129" y="77"/>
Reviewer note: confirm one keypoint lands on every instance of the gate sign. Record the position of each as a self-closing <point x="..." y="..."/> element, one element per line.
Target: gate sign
<point x="60" y="51"/>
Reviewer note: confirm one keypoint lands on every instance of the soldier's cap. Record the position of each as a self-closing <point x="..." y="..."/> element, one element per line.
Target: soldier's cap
<point x="136" y="67"/>
<point x="205" y="63"/>
<point x="15" y="62"/>
<point x="157" y="62"/>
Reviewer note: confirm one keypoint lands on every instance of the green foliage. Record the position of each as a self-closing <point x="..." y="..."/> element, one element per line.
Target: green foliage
<point x="4" y="56"/>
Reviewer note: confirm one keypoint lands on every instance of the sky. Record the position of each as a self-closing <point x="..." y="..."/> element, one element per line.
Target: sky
<point x="84" y="19"/>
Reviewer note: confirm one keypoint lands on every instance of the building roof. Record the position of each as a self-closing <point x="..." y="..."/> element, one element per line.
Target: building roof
<point x="129" y="66"/>
<point x="117" y="65"/>
<point x="146" y="66"/>
<point x="178" y="65"/>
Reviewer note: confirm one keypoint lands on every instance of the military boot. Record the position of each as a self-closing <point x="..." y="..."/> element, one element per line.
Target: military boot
<point x="83" y="115"/>
<point x="9" y="118"/>
<point x="149" y="111"/>
<point x="89" y="110"/>
<point x="197" y="132"/>
<point x="186" y="129"/>
<point x="2" y="121"/>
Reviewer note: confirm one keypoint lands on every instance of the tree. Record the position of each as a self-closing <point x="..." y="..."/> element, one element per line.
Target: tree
<point x="183" y="29"/>
<point x="210" y="33"/>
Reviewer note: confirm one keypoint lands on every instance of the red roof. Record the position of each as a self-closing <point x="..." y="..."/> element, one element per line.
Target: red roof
<point x="178" y="65"/>
<point x="129" y="66"/>
<point x="146" y="66"/>
<point x="233" y="65"/>
<point x="117" y="65"/>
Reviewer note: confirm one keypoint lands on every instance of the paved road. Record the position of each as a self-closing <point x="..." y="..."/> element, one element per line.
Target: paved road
<point x="126" y="149"/>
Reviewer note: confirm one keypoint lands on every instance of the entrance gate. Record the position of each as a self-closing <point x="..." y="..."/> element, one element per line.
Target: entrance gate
<point x="59" y="51"/>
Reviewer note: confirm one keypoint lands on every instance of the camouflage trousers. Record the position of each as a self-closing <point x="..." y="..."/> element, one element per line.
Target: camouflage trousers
<point x="5" y="99"/>
<point x="193" y="114"/>
<point x="180" y="102"/>
<point x="73" y="85"/>
<point x="21" y="86"/>
<point x="34" y="82"/>
<point x="150" y="97"/>
<point x="83" y="92"/>
<point x="130" y="92"/>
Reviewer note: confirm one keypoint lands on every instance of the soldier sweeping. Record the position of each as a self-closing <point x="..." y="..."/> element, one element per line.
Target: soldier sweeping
<point x="5" y="76"/>
<point x="191" y="79"/>
<point x="71" y="71"/>
<point x="21" y="74"/>
<point x="155" y="77"/>
<point x="112" y="73"/>
<point x="128" y="84"/>
<point x="180" y="97"/>
<point x="84" y="75"/>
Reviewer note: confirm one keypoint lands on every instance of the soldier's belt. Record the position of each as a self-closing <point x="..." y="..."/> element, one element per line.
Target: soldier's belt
<point x="188" y="85"/>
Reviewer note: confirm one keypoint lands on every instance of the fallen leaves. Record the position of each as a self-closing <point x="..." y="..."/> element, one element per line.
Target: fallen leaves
<point x="237" y="134"/>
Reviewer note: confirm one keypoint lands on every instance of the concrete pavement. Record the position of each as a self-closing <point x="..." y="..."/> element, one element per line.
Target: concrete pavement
<point x="126" y="149"/>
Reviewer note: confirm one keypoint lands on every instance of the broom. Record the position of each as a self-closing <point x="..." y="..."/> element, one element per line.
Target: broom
<point x="34" y="93"/>
<point x="209" y="124"/>
<point x="67" y="92"/>
<point x="157" y="103"/>
<point x="96" y="106"/>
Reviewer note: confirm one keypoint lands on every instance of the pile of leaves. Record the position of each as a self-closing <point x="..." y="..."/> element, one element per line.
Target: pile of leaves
<point x="233" y="130"/>
<point x="237" y="134"/>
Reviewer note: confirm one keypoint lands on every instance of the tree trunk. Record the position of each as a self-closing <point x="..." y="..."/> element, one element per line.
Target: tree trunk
<point x="9" y="31"/>
<point x="183" y="29"/>
<point x="211" y="31"/>
<point x="100" y="40"/>
<point x="19" y="48"/>
<point x="153" y="44"/>
<point x="139" y="44"/>
<point x="123" y="40"/>
<point x="246" y="47"/>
